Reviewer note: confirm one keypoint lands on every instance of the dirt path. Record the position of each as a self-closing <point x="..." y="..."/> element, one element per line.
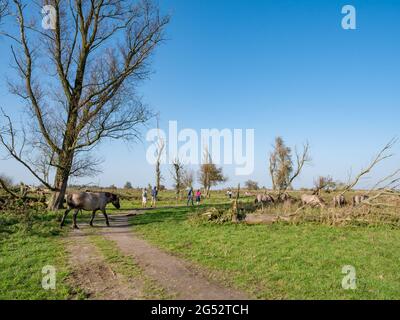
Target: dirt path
<point x="94" y="276"/>
<point x="180" y="279"/>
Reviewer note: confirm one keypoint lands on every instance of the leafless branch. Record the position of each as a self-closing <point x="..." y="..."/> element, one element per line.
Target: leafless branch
<point x="383" y="154"/>
<point x="301" y="159"/>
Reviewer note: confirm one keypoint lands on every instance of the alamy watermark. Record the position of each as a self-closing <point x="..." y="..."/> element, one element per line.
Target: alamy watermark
<point x="349" y="21"/>
<point x="49" y="279"/>
<point x="349" y="281"/>
<point x="225" y="147"/>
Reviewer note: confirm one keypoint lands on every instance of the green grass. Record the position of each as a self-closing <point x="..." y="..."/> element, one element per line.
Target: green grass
<point x="25" y="248"/>
<point x="269" y="262"/>
<point x="284" y="261"/>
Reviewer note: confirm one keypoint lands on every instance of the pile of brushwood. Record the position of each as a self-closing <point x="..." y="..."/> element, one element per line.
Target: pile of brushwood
<point x="385" y="212"/>
<point x="22" y="212"/>
<point x="19" y="207"/>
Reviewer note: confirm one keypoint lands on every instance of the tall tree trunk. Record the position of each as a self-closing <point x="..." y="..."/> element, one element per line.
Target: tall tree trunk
<point x="61" y="183"/>
<point x="208" y="193"/>
<point x="158" y="175"/>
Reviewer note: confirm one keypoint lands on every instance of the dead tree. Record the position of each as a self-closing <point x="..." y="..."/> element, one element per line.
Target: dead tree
<point x="302" y="158"/>
<point x="177" y="175"/>
<point x="159" y="153"/>
<point x="78" y="78"/>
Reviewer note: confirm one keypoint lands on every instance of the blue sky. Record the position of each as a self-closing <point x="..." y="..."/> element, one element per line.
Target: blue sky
<point x="281" y="67"/>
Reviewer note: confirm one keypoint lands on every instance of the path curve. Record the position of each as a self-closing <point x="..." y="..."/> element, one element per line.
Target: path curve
<point x="180" y="278"/>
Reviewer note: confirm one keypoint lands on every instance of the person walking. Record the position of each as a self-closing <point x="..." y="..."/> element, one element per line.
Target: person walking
<point x="154" y="194"/>
<point x="144" y="198"/>
<point x="190" y="196"/>
<point x="198" y="197"/>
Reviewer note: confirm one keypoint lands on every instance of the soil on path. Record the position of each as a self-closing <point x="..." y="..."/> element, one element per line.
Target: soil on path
<point x="94" y="276"/>
<point x="179" y="278"/>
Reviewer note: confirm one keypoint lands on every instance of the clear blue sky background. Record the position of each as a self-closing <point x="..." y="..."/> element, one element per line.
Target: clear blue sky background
<point x="281" y="67"/>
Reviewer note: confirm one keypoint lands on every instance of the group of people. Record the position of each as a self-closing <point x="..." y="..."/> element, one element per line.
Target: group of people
<point x="191" y="195"/>
<point x="154" y="195"/>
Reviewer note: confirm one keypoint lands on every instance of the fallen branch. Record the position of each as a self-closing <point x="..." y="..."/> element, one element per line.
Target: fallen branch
<point x="381" y="156"/>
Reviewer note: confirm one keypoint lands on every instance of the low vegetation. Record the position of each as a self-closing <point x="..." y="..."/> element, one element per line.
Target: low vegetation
<point x="283" y="260"/>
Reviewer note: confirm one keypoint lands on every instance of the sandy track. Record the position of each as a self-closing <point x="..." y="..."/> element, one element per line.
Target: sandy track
<point x="178" y="277"/>
<point x="94" y="276"/>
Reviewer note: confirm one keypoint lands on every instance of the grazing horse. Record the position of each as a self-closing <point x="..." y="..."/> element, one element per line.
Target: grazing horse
<point x="264" y="199"/>
<point x="285" y="198"/>
<point x="89" y="201"/>
<point x="359" y="199"/>
<point x="339" y="201"/>
<point x="312" y="200"/>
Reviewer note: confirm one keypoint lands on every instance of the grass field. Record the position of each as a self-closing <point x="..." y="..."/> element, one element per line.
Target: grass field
<point x="284" y="261"/>
<point x="24" y="251"/>
<point x="280" y="261"/>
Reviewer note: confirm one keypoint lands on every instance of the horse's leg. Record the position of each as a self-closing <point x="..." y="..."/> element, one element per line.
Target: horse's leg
<point x="64" y="217"/>
<point x="75" y="215"/>
<point x="106" y="216"/>
<point x="93" y="215"/>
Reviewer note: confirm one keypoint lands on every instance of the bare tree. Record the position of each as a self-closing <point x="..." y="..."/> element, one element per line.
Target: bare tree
<point x="252" y="185"/>
<point x="159" y="154"/>
<point x="209" y="174"/>
<point x="43" y="163"/>
<point x="177" y="175"/>
<point x="79" y="78"/>
<point x="282" y="169"/>
<point x="323" y="183"/>
<point x="187" y="178"/>
<point x="128" y="185"/>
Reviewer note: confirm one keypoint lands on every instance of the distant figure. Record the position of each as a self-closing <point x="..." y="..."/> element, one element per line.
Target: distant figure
<point x="229" y="193"/>
<point x="198" y="197"/>
<point x="144" y="198"/>
<point x="154" y="194"/>
<point x="190" y="196"/>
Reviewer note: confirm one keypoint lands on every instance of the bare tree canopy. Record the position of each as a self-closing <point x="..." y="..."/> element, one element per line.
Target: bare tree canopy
<point x="209" y="174"/>
<point x="281" y="167"/>
<point x="3" y="9"/>
<point x="177" y="173"/>
<point x="78" y="79"/>
<point x="187" y="178"/>
<point x="323" y="183"/>
<point x="159" y="153"/>
<point x="252" y="185"/>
